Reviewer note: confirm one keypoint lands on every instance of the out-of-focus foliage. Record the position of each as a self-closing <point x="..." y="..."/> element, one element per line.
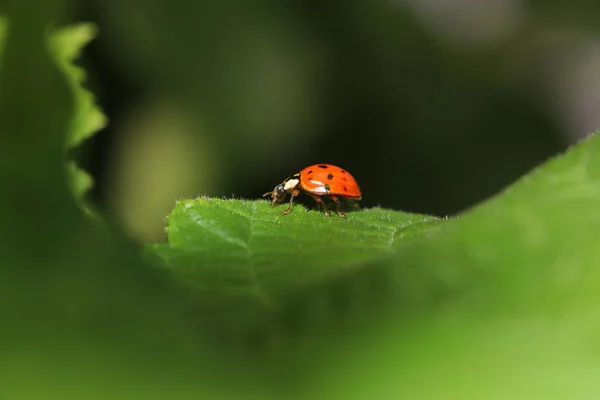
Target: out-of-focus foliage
<point x="65" y="46"/>
<point x="158" y="147"/>
<point x="3" y="29"/>
<point x="73" y="296"/>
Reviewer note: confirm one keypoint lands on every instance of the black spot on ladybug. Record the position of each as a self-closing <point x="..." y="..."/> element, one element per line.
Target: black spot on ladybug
<point x="330" y="176"/>
<point x="343" y="172"/>
<point x="309" y="172"/>
<point x="323" y="166"/>
<point x="345" y="189"/>
<point x="326" y="186"/>
<point x="344" y="179"/>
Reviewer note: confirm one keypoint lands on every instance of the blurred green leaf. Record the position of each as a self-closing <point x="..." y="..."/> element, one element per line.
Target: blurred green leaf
<point x="66" y="45"/>
<point x="80" y="182"/>
<point x="3" y="32"/>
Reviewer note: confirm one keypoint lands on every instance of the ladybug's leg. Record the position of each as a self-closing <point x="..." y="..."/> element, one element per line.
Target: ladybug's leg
<point x="294" y="194"/>
<point x="273" y="199"/>
<point x="337" y="205"/>
<point x="276" y="200"/>
<point x="321" y="203"/>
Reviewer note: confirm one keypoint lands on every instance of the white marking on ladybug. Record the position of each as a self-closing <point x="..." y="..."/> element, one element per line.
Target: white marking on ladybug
<point x="291" y="184"/>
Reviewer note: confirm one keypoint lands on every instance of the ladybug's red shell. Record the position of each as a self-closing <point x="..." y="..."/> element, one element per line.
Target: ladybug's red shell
<point x="327" y="179"/>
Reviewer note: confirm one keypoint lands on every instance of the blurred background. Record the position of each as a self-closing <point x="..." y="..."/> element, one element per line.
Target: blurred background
<point x="433" y="105"/>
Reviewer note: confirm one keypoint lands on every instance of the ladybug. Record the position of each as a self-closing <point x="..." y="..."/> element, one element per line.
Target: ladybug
<point x="317" y="181"/>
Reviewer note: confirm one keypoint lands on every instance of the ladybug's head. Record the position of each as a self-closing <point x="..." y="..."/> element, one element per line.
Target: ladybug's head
<point x="278" y="194"/>
<point x="280" y="191"/>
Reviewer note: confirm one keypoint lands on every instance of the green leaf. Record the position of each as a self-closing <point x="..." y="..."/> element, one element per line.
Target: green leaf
<point x="499" y="302"/>
<point x="79" y="183"/>
<point x="247" y="247"/>
<point x="65" y="46"/>
<point x="3" y="32"/>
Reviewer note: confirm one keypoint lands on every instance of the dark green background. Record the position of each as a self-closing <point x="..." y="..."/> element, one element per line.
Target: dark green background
<point x="426" y="126"/>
